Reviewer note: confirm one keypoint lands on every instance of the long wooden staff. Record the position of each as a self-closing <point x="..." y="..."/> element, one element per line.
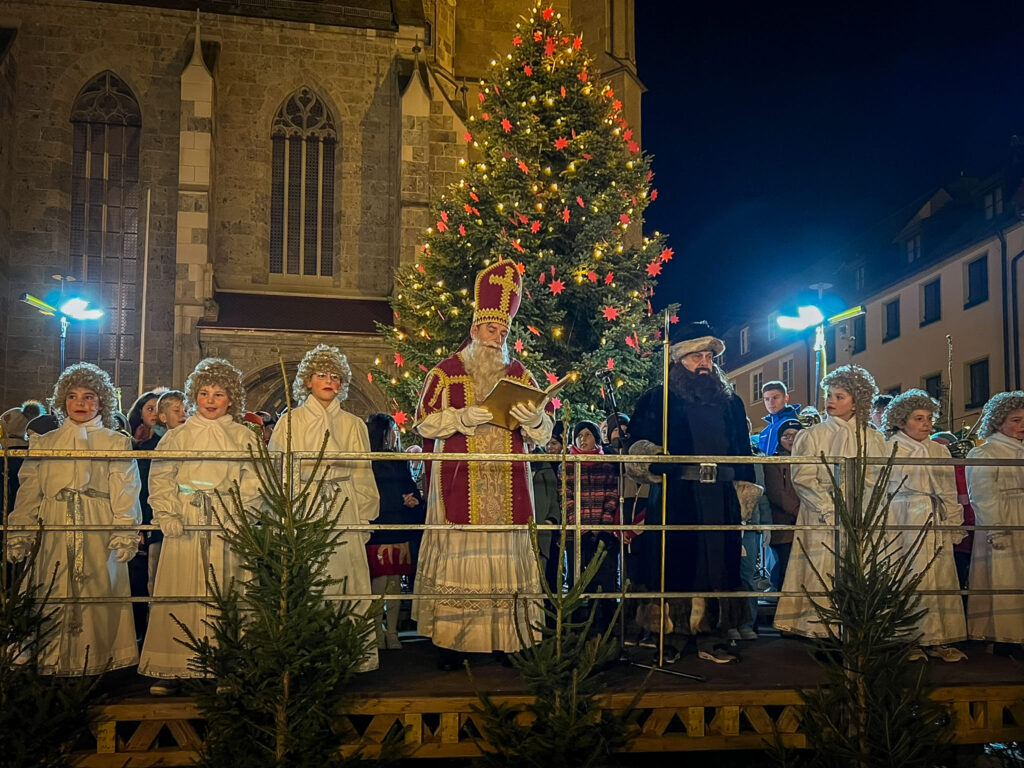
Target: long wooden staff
<point x="949" y="381"/>
<point x="664" y="487"/>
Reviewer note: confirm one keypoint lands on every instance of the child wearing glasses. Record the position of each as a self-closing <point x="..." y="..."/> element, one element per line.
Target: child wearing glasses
<point x="321" y="385"/>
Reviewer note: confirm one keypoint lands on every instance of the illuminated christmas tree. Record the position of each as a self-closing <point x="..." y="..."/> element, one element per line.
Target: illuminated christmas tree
<point x="557" y="183"/>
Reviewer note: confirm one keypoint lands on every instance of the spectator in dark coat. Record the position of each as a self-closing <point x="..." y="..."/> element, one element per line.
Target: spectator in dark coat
<point x="782" y="496"/>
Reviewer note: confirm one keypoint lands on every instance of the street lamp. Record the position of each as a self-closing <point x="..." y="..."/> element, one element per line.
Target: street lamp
<point x="71" y="309"/>
<point x="808" y="316"/>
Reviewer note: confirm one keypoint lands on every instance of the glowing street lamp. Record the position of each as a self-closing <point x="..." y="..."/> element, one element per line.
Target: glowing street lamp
<point x="810" y="316"/>
<point x="71" y="309"/>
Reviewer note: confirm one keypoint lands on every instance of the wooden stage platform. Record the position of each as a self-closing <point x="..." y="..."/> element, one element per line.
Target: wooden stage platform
<point x="738" y="706"/>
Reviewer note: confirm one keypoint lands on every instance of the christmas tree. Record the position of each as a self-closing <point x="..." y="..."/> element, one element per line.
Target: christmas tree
<point x="558" y="184"/>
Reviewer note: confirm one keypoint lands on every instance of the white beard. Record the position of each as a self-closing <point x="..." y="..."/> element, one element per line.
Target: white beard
<point x="486" y="364"/>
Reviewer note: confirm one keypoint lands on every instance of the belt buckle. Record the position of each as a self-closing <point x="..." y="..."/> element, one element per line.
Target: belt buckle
<point x="708" y="473"/>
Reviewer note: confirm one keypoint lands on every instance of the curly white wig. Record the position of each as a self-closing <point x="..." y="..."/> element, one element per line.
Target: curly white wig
<point x="321" y="359"/>
<point x="903" y="405"/>
<point x="997" y="410"/>
<point x="859" y="383"/>
<point x="88" y="376"/>
<point x="216" y="372"/>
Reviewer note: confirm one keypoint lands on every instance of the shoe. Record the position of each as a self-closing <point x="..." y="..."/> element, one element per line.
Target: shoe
<point x="672" y="654"/>
<point x="164" y="688"/>
<point x="733" y="634"/>
<point x="392" y="643"/>
<point x="946" y="652"/>
<point x="917" y="654"/>
<point x="747" y="633"/>
<point x="718" y="656"/>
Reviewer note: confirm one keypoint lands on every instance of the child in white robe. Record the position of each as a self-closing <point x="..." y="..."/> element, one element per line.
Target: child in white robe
<point x="850" y="390"/>
<point x="89" y="637"/>
<point x="183" y="493"/>
<point x="997" y="496"/>
<point x="321" y="384"/>
<point x="926" y="494"/>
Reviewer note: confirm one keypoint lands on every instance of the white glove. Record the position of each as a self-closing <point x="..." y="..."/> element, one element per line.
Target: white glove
<point x="172" y="527"/>
<point x="527" y="414"/>
<point x="999" y="541"/>
<point x="18" y="549"/>
<point x="473" y="416"/>
<point x="826" y="518"/>
<point x="124" y="548"/>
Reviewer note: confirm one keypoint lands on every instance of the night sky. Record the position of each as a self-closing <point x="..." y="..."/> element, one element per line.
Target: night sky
<point x="782" y="130"/>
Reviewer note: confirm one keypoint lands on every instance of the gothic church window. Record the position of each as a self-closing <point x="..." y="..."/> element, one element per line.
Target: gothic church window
<point x="104" y="241"/>
<point x="304" y="142"/>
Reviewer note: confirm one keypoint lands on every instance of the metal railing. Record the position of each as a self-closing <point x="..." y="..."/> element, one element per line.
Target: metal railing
<point x="844" y="470"/>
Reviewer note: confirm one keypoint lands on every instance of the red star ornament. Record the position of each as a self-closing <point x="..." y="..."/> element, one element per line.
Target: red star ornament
<point x="520" y="267"/>
<point x="630" y="342"/>
<point x="610" y="313"/>
<point x="565" y="215"/>
<point x="482" y="97"/>
<point x="563" y="91"/>
<point x="556" y="403"/>
<point x="577" y="43"/>
<point x="369" y="377"/>
<point x="549" y="47"/>
<point x="552" y="379"/>
<point x="579" y="202"/>
<point x="467" y="136"/>
<point x="486" y="116"/>
<point x="535" y="226"/>
<point x="667" y="254"/>
<point x="609" y="278"/>
<point x="543" y="277"/>
<point x="654" y="195"/>
<point x="633" y="147"/>
<point x="533" y="330"/>
<point x="522" y="166"/>
<point x="400" y="417"/>
<point x="399" y="360"/>
<point x="674" y="319"/>
<point x="518" y="346"/>
<point x="561" y="142"/>
<point x="654" y="268"/>
<point x="474" y="197"/>
<point x="506" y="124"/>
<point x="611" y="364"/>
<point x="528" y="70"/>
<point x="582" y="75"/>
<point x="517" y="40"/>
<point x="617" y="105"/>
<point x="444" y="216"/>
<point x="537" y="35"/>
<point x="423" y="368"/>
<point x="624" y="218"/>
<point x="557" y="286"/>
<point x="547" y="13"/>
<point x="592" y="276"/>
<point x="441" y="226"/>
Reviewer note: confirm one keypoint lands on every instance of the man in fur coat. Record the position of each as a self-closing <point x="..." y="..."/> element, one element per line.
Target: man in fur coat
<point x="705" y="418"/>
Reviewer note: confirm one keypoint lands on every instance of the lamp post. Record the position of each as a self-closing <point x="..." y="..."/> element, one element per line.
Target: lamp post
<point x="808" y="316"/>
<point x="72" y="309"/>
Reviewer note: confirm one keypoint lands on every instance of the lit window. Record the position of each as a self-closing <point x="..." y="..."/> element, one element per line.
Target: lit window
<point x="786" y="372"/>
<point x="745" y="340"/>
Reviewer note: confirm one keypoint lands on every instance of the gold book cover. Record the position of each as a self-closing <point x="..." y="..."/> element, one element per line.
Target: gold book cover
<point x="507" y="393"/>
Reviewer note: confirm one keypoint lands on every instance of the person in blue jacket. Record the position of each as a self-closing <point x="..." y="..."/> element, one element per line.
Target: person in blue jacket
<point x="776" y="401"/>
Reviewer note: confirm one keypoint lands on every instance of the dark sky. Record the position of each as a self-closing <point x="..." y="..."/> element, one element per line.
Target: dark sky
<point x="781" y="130"/>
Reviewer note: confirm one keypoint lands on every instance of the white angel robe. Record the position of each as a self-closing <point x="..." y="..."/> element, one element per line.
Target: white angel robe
<point x="83" y="492"/>
<point x="186" y="490"/>
<point x="929" y="493"/>
<point x="348" y="482"/>
<point x="997" y="496"/>
<point x="813" y="484"/>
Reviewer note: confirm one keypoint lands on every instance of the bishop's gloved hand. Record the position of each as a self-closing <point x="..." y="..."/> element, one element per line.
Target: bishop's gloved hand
<point x="473" y="416"/>
<point x="527" y="414"/>
<point x="172" y="527"/>
<point x="18" y="549"/>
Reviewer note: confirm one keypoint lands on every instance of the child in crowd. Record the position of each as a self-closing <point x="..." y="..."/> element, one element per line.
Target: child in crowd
<point x="849" y="390"/>
<point x="997" y="496"/>
<point x="320" y="386"/>
<point x="183" y="493"/>
<point x="82" y="564"/>
<point x="926" y="495"/>
<point x="392" y="554"/>
<point x="146" y="433"/>
<point x="170" y="409"/>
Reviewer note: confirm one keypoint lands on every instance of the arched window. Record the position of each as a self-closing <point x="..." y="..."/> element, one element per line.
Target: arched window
<point x="104" y="244"/>
<point x="304" y="141"/>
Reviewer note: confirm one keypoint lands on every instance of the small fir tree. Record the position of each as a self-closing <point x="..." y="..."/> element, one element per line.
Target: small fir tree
<point x="874" y="710"/>
<point x="562" y="664"/>
<point x="557" y="184"/>
<point x="42" y="717"/>
<point x="279" y="656"/>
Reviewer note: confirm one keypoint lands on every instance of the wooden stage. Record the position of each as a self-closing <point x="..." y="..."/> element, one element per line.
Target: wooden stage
<point x="738" y="706"/>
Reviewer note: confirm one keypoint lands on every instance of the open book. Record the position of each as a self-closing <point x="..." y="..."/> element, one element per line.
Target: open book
<point x="508" y="392"/>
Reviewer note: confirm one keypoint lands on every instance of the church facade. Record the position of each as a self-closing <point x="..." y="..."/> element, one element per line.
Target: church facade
<point x="239" y="180"/>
